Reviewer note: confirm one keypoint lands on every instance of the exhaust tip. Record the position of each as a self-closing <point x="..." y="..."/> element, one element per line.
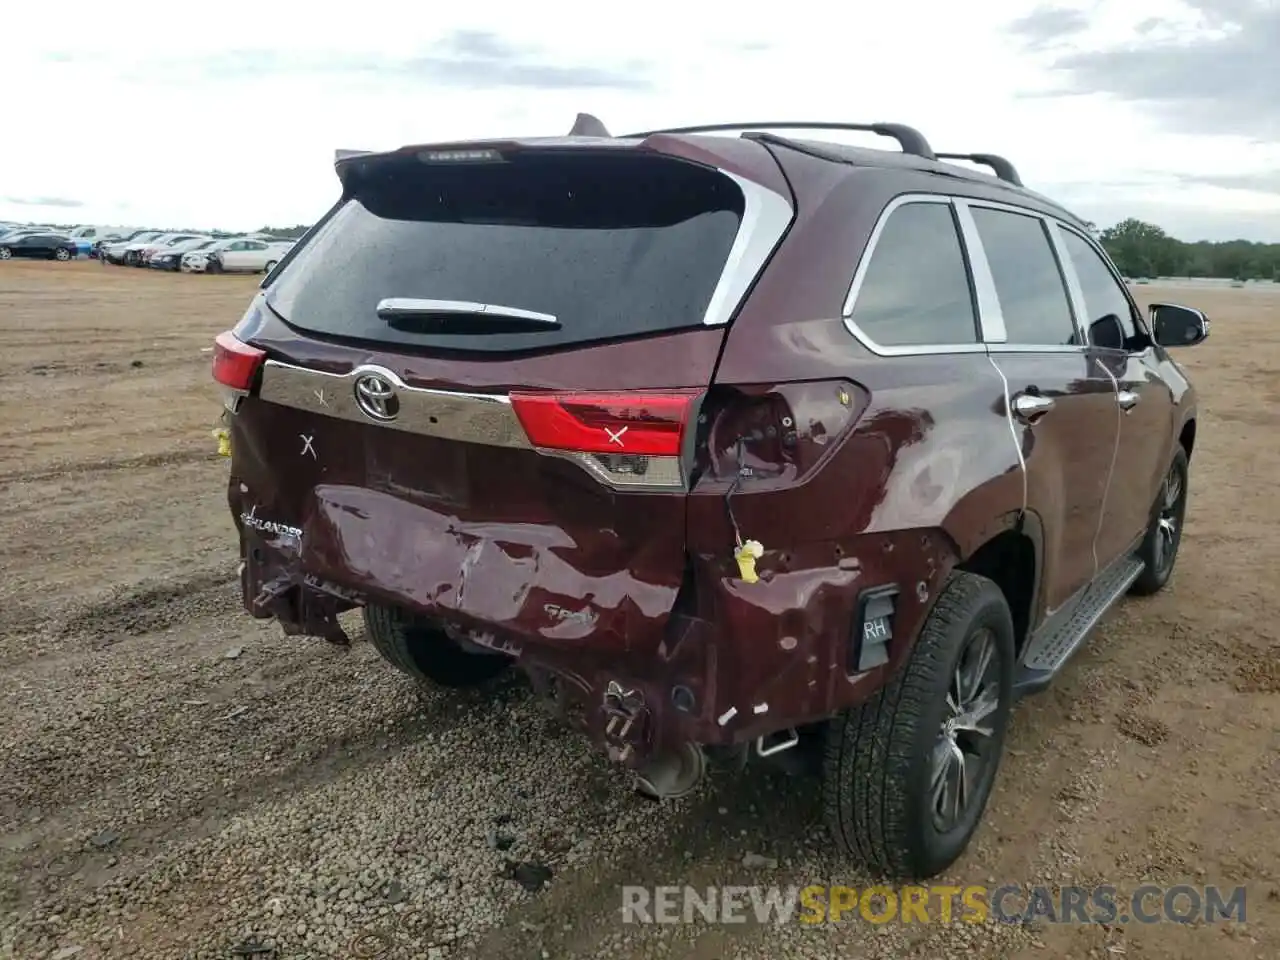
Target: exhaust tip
<point x="670" y="776"/>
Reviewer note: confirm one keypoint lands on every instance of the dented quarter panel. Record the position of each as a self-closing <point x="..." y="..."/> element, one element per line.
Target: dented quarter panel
<point x="925" y="475"/>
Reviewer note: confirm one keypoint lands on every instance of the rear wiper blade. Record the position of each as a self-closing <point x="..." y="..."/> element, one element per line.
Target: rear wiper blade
<point x="462" y="316"/>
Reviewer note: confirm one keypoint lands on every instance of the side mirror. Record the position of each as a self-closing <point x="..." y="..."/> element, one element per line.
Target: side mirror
<point x="1107" y="332"/>
<point x="1176" y="326"/>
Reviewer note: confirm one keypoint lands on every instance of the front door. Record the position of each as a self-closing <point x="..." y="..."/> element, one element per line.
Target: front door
<point x="1061" y="399"/>
<point x="1146" y="404"/>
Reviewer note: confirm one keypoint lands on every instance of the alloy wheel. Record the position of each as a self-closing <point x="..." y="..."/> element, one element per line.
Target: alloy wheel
<point x="1169" y="521"/>
<point x="962" y="753"/>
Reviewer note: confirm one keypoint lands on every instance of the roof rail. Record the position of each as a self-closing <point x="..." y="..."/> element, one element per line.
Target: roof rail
<point x="911" y="140"/>
<point x="1002" y="167"/>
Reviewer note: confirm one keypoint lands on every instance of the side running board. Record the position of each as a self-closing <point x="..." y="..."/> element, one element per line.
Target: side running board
<point x="1047" y="652"/>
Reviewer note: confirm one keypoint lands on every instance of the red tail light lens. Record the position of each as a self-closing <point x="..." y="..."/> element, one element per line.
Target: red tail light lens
<point x="639" y="423"/>
<point x="234" y="362"/>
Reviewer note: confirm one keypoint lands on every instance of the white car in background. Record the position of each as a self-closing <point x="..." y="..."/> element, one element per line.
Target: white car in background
<point x="170" y="257"/>
<point x="236" y="255"/>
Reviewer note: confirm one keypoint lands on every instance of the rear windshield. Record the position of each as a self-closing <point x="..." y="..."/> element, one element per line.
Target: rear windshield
<point x="611" y="245"/>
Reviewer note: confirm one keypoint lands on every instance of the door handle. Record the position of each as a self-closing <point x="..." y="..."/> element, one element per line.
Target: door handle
<point x="1128" y="399"/>
<point x="1030" y="407"/>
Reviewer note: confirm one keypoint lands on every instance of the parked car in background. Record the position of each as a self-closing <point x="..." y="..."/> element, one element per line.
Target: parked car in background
<point x="115" y="252"/>
<point x="170" y="257"/>
<point x="142" y="251"/>
<point x="237" y="255"/>
<point x="87" y="236"/>
<point x="39" y="246"/>
<point x="158" y="245"/>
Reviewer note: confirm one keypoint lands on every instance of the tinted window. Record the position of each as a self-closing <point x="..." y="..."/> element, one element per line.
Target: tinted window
<point x="611" y="245"/>
<point x="1103" y="294"/>
<point x="916" y="288"/>
<point x="1033" y="296"/>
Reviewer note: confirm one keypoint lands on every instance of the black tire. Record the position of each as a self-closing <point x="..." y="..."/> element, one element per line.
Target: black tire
<point x="5" y="253"/>
<point x="878" y="767"/>
<point x="271" y="265"/>
<point x="1160" y="553"/>
<point x="61" y="254"/>
<point x="213" y="266"/>
<point x="425" y="652"/>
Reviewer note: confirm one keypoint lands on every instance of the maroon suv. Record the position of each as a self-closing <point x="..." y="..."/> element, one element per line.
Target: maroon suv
<point x="736" y="445"/>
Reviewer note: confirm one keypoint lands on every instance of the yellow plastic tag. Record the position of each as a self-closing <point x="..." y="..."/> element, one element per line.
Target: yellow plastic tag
<point x="223" y="436"/>
<point x="746" y="555"/>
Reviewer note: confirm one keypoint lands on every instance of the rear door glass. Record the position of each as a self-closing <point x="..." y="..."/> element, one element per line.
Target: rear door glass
<point x="612" y="245"/>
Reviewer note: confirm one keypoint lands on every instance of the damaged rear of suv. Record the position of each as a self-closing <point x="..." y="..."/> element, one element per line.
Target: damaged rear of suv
<point x="643" y="417"/>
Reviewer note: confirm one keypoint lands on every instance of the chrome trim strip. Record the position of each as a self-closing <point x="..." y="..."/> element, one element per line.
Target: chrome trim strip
<point x="766" y="215"/>
<point x="1013" y="428"/>
<point x="990" y="313"/>
<point x="1036" y="348"/>
<point x="1075" y="292"/>
<point x="485" y="418"/>
<point x="860" y="273"/>
<point x="472" y="417"/>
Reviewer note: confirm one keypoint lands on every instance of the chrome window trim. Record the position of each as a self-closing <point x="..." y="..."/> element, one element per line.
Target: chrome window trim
<point x="1139" y="317"/>
<point x="766" y="216"/>
<point x="1075" y="292"/>
<point x="990" y="313"/>
<point x="860" y="272"/>
<point x="1046" y="226"/>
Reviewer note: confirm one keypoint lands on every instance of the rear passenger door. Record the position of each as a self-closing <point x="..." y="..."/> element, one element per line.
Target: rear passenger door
<point x="1062" y="400"/>
<point x="1146" y="403"/>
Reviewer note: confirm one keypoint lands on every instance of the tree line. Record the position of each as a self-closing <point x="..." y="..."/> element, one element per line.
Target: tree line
<point x="1142" y="249"/>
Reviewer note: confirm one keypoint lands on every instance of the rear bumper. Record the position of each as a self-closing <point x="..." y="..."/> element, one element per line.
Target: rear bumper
<point x="735" y="662"/>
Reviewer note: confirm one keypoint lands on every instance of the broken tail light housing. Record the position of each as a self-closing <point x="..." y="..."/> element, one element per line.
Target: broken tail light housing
<point x="235" y="365"/>
<point x="630" y="439"/>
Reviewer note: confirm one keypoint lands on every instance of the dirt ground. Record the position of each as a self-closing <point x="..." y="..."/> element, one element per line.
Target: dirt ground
<point x="175" y="777"/>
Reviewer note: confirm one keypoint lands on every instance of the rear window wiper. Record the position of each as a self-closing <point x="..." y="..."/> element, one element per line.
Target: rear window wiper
<point x="462" y="316"/>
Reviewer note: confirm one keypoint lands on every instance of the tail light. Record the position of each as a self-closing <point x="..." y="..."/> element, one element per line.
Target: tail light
<point x="632" y="439"/>
<point x="235" y="363"/>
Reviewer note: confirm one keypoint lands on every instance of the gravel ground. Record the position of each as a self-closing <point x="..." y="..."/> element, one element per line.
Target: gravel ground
<point x="180" y="781"/>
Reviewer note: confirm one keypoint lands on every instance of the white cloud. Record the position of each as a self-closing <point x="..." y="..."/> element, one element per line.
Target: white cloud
<point x="228" y="114"/>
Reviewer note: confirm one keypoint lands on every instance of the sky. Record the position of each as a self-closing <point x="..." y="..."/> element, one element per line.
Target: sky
<point x="227" y="114"/>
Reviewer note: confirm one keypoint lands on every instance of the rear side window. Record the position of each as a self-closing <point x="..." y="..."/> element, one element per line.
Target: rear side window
<point x="610" y="245"/>
<point x="1103" y="294"/>
<point x="915" y="291"/>
<point x="1033" y="295"/>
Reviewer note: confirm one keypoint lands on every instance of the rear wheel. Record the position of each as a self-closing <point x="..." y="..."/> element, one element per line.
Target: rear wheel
<point x="1159" y="550"/>
<point x="61" y="254"/>
<point x="5" y="253"/>
<point x="906" y="776"/>
<point x="425" y="652"/>
<point x="271" y="265"/>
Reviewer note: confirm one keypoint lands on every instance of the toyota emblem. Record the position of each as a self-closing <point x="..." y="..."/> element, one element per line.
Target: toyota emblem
<point x="376" y="396"/>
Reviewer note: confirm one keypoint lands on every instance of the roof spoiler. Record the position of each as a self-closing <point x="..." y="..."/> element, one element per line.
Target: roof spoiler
<point x="587" y="125"/>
